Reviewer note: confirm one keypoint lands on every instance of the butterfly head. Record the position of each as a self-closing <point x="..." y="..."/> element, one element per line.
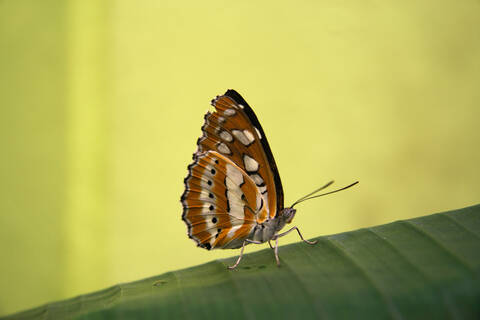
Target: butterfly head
<point x="288" y="214"/>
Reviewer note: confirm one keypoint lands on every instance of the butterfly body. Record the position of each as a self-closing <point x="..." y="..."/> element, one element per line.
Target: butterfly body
<point x="267" y="230"/>
<point x="233" y="193"/>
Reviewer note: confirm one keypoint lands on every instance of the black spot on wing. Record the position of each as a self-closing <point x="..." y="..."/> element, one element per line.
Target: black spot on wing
<point x="226" y="194"/>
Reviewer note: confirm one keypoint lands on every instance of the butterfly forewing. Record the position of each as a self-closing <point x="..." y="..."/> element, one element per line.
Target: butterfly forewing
<point x="234" y="131"/>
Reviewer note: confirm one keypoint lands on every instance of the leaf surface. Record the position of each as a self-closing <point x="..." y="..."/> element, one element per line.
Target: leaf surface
<point x="427" y="267"/>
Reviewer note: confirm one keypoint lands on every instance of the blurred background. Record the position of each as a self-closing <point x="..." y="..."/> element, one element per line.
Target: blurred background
<point x="101" y="103"/>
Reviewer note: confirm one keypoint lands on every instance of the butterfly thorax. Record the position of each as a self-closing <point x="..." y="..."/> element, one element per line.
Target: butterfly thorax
<point x="267" y="230"/>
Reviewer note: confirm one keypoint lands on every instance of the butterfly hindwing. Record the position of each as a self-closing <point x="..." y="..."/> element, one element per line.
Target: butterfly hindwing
<point x="220" y="202"/>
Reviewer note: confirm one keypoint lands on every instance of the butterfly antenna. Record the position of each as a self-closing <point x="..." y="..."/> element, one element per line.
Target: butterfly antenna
<point x="313" y="192"/>
<point x="309" y="196"/>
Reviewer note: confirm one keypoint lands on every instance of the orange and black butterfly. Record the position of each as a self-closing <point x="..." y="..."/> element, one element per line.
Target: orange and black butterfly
<point x="233" y="193"/>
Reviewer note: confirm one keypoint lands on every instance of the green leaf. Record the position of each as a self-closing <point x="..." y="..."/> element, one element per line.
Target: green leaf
<point x="427" y="267"/>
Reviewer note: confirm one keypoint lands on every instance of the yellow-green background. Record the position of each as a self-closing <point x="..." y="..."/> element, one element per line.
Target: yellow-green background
<point x="101" y="103"/>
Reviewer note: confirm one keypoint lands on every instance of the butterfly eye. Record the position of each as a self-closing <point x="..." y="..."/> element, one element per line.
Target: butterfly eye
<point x="288" y="214"/>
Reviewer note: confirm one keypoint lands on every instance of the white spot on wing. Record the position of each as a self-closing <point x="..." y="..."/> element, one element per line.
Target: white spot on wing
<point x="258" y="132"/>
<point x="240" y="135"/>
<point x="257" y="179"/>
<point x="234" y="193"/>
<point x="206" y="209"/>
<point x="226" y="136"/>
<point x="241" y="106"/>
<point x="249" y="136"/>
<point x="232" y="231"/>
<point x="212" y="239"/>
<point x="235" y="177"/>
<point x="223" y="148"/>
<point x="229" y="112"/>
<point x="259" y="201"/>
<point x="250" y="164"/>
<point x="204" y="193"/>
<point x="209" y="224"/>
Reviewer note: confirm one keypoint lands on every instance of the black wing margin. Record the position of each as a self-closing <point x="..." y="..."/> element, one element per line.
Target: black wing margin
<point x="266" y="147"/>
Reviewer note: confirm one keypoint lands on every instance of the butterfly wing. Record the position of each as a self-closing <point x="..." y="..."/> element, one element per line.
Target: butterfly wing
<point x="234" y="131"/>
<point x="233" y="182"/>
<point x="220" y="202"/>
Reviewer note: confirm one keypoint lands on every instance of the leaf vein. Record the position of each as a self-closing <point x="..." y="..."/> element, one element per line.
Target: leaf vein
<point x="427" y="235"/>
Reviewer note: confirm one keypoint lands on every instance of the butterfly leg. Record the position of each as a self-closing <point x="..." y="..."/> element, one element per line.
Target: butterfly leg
<point x="270" y="244"/>
<point x="276" y="252"/>
<point x="241" y="252"/>
<point x="239" y="257"/>
<point x="301" y="237"/>
<point x="284" y="234"/>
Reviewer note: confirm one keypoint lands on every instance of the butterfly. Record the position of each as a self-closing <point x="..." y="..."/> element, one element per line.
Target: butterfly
<point x="233" y="193"/>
